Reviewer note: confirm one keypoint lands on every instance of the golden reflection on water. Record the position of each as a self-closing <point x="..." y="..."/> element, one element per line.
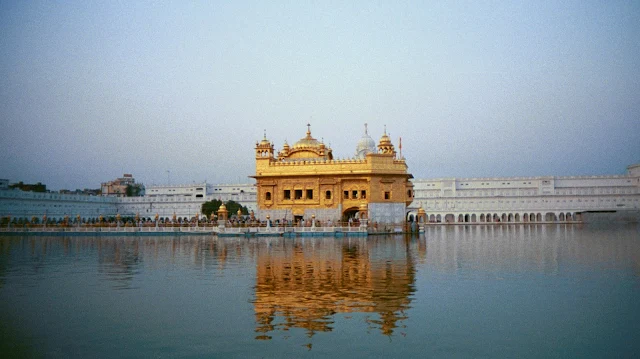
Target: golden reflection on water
<point x="304" y="283"/>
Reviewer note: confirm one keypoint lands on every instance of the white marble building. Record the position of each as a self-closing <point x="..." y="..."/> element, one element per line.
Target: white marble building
<point x="445" y="200"/>
<point x="525" y="199"/>
<point x="185" y="201"/>
<point x="18" y="204"/>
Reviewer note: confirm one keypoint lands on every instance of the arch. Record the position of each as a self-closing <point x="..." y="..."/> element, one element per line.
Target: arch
<point x="517" y="217"/>
<point x="350" y="213"/>
<point x="503" y="217"/>
<point x="481" y="217"/>
<point x="549" y="217"/>
<point x="510" y="217"/>
<point x="327" y="195"/>
<point x="474" y="218"/>
<point x="539" y="217"/>
<point x="561" y="217"/>
<point x="432" y="218"/>
<point x="449" y="218"/>
<point x="569" y="217"/>
<point x="439" y="218"/>
<point x="267" y="196"/>
<point x="460" y="218"/>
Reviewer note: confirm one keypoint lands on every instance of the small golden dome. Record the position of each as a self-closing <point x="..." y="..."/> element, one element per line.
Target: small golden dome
<point x="307" y="141"/>
<point x="385" y="140"/>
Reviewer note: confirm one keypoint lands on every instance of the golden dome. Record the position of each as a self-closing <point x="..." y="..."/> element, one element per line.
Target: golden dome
<point x="307" y="141"/>
<point x="385" y="140"/>
<point x="385" y="146"/>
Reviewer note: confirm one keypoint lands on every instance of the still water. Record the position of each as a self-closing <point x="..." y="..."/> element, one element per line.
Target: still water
<point x="456" y="291"/>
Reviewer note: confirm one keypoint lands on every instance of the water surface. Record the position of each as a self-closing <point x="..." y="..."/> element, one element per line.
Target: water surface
<point x="456" y="291"/>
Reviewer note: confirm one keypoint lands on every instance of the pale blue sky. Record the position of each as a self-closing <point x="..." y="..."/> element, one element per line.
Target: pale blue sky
<point x="90" y="90"/>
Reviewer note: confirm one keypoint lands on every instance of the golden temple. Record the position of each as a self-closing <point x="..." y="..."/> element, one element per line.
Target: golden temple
<point x="304" y="181"/>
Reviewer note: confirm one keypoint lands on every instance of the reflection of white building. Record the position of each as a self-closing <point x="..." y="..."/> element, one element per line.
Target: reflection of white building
<point x="526" y="199"/>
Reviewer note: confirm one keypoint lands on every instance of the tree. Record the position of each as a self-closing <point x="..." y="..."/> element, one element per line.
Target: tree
<point x="214" y="205"/>
<point x="134" y="190"/>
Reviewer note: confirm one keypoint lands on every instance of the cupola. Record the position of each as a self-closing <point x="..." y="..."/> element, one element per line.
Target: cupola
<point x="385" y="146"/>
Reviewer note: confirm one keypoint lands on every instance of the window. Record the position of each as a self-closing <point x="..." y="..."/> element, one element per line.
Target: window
<point x="363" y="194"/>
<point x="268" y="196"/>
<point x="346" y="194"/>
<point x="298" y="194"/>
<point x="354" y="194"/>
<point x="387" y="195"/>
<point x="309" y="194"/>
<point x="408" y="193"/>
<point x="287" y="194"/>
<point x="327" y="195"/>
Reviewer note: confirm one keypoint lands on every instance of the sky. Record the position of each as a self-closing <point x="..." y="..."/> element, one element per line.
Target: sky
<point x="179" y="92"/>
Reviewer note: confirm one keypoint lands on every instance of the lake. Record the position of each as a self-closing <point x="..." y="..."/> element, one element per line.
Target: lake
<point x="456" y="291"/>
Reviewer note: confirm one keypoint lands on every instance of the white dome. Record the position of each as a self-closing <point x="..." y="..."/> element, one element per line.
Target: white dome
<point x="365" y="145"/>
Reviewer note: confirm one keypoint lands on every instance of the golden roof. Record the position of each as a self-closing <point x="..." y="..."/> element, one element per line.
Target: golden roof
<point x="308" y="141"/>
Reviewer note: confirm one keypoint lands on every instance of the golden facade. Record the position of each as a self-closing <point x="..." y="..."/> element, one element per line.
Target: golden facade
<point x="305" y="181"/>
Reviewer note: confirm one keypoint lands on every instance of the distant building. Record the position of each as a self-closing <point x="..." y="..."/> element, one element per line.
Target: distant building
<point x="4" y="183"/>
<point x="38" y="187"/>
<point x="528" y="199"/>
<point x="117" y="187"/>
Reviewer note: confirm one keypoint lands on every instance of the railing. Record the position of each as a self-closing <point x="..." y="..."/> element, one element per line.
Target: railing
<point x="182" y="229"/>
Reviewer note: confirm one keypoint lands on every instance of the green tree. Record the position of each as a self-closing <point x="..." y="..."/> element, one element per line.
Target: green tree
<point x="134" y="190"/>
<point x="213" y="206"/>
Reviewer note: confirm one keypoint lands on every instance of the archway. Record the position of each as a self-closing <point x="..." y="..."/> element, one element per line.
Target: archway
<point x="350" y="213"/>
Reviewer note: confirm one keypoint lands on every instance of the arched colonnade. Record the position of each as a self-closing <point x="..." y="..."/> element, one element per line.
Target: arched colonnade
<point x="497" y="217"/>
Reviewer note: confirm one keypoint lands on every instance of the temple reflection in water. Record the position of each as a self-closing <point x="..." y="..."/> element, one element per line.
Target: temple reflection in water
<point x="304" y="284"/>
